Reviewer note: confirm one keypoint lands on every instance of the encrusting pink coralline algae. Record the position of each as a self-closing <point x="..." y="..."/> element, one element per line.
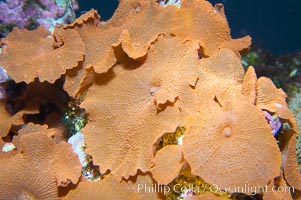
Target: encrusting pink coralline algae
<point x="30" y="14"/>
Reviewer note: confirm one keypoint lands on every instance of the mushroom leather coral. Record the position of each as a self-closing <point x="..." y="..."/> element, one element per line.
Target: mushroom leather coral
<point x="38" y="169"/>
<point x="78" y="80"/>
<point x="249" y="85"/>
<point x="31" y="54"/>
<point x="129" y="116"/>
<point x="206" y="196"/>
<point x="1" y="144"/>
<point x="216" y="139"/>
<point x="32" y="128"/>
<point x="8" y="121"/>
<point x="146" y="180"/>
<point x="143" y="73"/>
<point x="291" y="169"/>
<point x="136" y="34"/>
<point x="108" y="188"/>
<point x="206" y="25"/>
<point x="98" y="51"/>
<point x="220" y="75"/>
<point x="4" y="119"/>
<point x="35" y="93"/>
<point x="272" y="99"/>
<point x="111" y="188"/>
<point x="278" y="190"/>
<point x="168" y="163"/>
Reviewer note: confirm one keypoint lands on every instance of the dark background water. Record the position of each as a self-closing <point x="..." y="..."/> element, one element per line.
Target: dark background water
<point x="274" y="25"/>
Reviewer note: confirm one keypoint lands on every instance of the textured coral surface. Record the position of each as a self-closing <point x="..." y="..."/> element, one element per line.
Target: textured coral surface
<point x="162" y="100"/>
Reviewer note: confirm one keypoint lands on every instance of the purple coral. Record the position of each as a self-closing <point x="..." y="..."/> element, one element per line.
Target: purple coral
<point x="12" y="12"/>
<point x="3" y="79"/>
<point x="274" y="122"/>
<point x="29" y="14"/>
<point x="3" y="75"/>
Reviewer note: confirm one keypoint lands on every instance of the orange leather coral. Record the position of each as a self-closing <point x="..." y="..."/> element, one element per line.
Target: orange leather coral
<point x="41" y="166"/>
<point x="78" y="80"/>
<point x="220" y="75"/>
<point x="291" y="169"/>
<point x="213" y="146"/>
<point x="249" y="85"/>
<point x="98" y="51"/>
<point x="108" y="188"/>
<point x="207" y="196"/>
<point x="278" y="190"/>
<point x="168" y="163"/>
<point x="200" y="22"/>
<point x="31" y="54"/>
<point x="139" y="92"/>
<point x="141" y="74"/>
<point x="272" y="99"/>
<point x="7" y="121"/>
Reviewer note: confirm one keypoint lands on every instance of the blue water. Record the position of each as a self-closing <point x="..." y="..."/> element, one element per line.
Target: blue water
<point x="273" y="24"/>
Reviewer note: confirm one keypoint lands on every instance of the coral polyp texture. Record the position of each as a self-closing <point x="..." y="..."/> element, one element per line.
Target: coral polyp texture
<point x="155" y="104"/>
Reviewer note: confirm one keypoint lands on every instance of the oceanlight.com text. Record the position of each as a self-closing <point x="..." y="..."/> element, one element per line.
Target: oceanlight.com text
<point x="213" y="188"/>
<point x="248" y="189"/>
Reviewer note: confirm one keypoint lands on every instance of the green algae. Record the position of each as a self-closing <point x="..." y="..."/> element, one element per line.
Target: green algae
<point x="171" y="138"/>
<point x="187" y="184"/>
<point x="75" y="118"/>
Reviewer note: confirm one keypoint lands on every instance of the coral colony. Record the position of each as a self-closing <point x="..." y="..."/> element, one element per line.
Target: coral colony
<point x="151" y="104"/>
